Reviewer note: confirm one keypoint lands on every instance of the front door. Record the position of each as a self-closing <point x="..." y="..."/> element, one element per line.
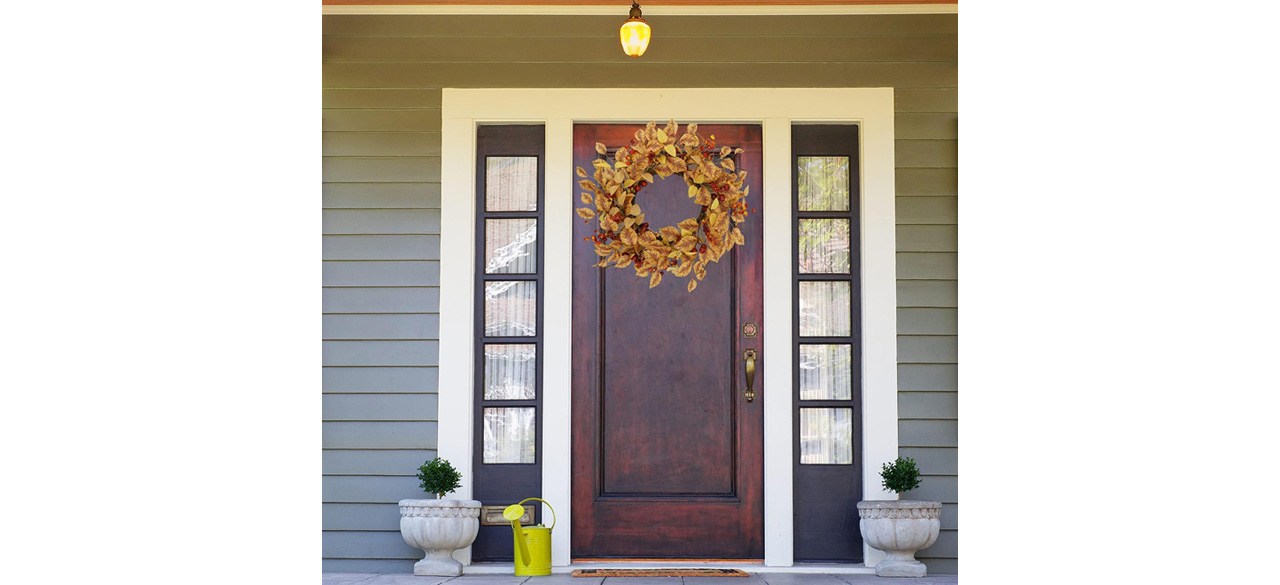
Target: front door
<point x="667" y="450"/>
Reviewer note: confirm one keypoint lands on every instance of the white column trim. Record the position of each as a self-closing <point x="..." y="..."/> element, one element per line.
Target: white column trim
<point x="775" y="388"/>
<point x="557" y="336"/>
<point x="457" y="186"/>
<point x="776" y="109"/>
<point x="879" y="305"/>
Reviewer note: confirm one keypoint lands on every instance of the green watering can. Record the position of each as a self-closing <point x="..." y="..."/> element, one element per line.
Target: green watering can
<point x="532" y="543"/>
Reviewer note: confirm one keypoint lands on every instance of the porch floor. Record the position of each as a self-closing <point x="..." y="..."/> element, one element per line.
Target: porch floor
<point x="763" y="578"/>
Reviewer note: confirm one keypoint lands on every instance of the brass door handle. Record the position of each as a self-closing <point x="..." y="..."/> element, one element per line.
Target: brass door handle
<point x="750" y="357"/>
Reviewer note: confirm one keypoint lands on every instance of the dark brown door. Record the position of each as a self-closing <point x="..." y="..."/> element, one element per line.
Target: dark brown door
<point x="667" y="452"/>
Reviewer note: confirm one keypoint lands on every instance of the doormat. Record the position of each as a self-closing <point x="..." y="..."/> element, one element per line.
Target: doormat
<point x="659" y="573"/>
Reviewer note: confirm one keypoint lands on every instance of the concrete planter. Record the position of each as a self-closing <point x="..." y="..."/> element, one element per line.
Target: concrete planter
<point x="899" y="528"/>
<point x="439" y="527"/>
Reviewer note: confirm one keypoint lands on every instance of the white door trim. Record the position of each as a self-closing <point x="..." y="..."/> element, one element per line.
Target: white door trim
<point x="776" y="109"/>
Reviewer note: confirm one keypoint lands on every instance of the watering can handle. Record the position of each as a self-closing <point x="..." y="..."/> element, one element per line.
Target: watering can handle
<point x="553" y="510"/>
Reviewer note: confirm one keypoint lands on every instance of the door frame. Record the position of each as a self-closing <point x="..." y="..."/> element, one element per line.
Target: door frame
<point x="775" y="109"/>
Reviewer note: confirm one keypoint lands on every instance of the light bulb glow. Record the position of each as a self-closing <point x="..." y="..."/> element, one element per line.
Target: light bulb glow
<point x="635" y="36"/>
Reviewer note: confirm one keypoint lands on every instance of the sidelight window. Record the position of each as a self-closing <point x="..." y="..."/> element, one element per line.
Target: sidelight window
<point x="826" y="296"/>
<point x="508" y="322"/>
<point x="827" y="347"/>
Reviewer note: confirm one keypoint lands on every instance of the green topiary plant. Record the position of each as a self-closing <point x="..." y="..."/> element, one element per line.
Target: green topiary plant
<point x="439" y="477"/>
<point x="900" y="476"/>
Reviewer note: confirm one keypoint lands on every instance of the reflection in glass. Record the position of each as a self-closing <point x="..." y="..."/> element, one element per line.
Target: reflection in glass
<point x="824" y="246"/>
<point x="824" y="309"/>
<point x="510" y="308"/>
<point x="509" y="435"/>
<point x="823" y="183"/>
<point x="509" y="371"/>
<point x="826" y="436"/>
<point x="509" y="246"/>
<point x="826" y="371"/>
<point x="511" y="183"/>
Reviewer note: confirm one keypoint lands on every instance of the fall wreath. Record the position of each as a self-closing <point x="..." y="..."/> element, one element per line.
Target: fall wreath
<point x="623" y="238"/>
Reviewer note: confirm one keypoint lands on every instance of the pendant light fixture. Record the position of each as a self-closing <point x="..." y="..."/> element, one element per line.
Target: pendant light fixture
<point x="634" y="33"/>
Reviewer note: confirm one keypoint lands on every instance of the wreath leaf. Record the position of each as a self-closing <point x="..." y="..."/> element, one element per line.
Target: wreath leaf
<point x="623" y="237"/>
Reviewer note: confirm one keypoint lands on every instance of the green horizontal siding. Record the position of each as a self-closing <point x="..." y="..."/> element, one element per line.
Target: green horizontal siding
<point x="665" y="48"/>
<point x="927" y="377"/>
<point x="926" y="182"/>
<point x="927" y="405"/>
<point x="927" y="210"/>
<point x="927" y="293"/>
<point x="381" y="196"/>
<point x="373" y="169"/>
<point x="374" y="461"/>
<point x="380" y="221"/>
<point x="913" y="100"/>
<point x="360" y="517"/>
<point x="381" y="353"/>
<point x="379" y="143"/>
<point x="368" y="120"/>
<point x="380" y="247"/>
<point x="926" y="238"/>
<point x="380" y="407"/>
<point x="378" y="435"/>
<point x="423" y="299"/>
<point x="716" y="29"/>
<point x="364" y="545"/>
<point x="932" y="460"/>
<point x="379" y="379"/>
<point x="390" y="273"/>
<point x="383" y="327"/>
<point x="375" y="489"/>
<point x="927" y="321"/>
<point x="697" y="72"/>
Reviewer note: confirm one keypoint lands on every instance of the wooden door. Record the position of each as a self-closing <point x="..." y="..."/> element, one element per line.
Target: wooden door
<point x="667" y="451"/>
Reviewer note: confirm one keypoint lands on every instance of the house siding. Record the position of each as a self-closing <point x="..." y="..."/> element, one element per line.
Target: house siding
<point x="381" y="217"/>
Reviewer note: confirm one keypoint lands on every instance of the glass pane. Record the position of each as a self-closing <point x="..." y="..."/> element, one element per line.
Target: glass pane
<point x="509" y="246"/>
<point x="824" y="246"/>
<point x="826" y="436"/>
<point x="511" y="183"/>
<point x="826" y="372"/>
<point x="509" y="372"/>
<point x="509" y="435"/>
<point x="510" y="308"/>
<point x="823" y="183"/>
<point x="824" y="309"/>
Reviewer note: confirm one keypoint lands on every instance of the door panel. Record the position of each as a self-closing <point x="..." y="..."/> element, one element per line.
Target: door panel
<point x="667" y="453"/>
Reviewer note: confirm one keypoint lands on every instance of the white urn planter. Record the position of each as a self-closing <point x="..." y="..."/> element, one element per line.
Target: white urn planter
<point x="439" y="527"/>
<point x="899" y="528"/>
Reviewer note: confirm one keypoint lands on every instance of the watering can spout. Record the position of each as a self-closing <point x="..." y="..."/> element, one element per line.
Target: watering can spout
<point x="532" y="543"/>
<point x="513" y="514"/>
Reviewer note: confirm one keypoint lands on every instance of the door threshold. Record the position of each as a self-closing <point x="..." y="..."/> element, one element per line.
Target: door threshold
<point x="750" y="566"/>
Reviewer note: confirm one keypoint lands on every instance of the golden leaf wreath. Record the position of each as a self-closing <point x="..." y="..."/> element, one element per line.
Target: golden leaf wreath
<point x="623" y="237"/>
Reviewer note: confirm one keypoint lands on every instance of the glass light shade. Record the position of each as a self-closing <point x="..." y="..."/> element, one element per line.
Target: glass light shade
<point x="635" y="36"/>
